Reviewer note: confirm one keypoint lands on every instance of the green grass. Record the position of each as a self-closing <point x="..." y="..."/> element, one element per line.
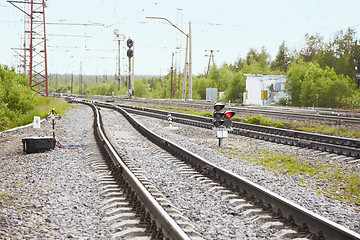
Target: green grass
<point x="260" y="120"/>
<point x="5" y="199"/>
<point x="282" y="163"/>
<point x="335" y="182"/>
<point x="42" y="110"/>
<point x="305" y="127"/>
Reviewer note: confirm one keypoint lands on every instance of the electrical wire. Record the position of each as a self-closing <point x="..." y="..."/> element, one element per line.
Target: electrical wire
<point x="79" y="146"/>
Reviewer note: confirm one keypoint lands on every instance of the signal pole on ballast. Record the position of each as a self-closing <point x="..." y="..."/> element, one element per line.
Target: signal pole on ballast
<point x="130" y="54"/>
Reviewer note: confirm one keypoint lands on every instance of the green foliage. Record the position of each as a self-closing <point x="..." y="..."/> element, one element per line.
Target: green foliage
<point x="16" y="98"/>
<point x="200" y="84"/>
<point x="100" y="89"/>
<point x="228" y="81"/>
<point x="18" y="104"/>
<point x="310" y="85"/>
<point x="335" y="182"/>
<point x="321" y="74"/>
<point x="141" y="88"/>
<point x="260" y="120"/>
<point x="339" y="53"/>
<point x="254" y="120"/>
<point x="282" y="59"/>
<point x="283" y="163"/>
<point x="236" y="87"/>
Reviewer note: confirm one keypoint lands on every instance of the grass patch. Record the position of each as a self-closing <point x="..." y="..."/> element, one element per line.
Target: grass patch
<point x="42" y="110"/>
<point x="263" y="121"/>
<point x="5" y="200"/>
<point x="282" y="163"/>
<point x="305" y="127"/>
<point x="332" y="181"/>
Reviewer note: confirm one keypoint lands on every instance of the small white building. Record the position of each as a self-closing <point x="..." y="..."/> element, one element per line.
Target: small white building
<point x="256" y="84"/>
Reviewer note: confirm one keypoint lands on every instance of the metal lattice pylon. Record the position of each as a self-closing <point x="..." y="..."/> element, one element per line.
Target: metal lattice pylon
<point x="38" y="79"/>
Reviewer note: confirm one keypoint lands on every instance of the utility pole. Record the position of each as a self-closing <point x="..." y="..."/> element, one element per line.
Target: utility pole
<point x="211" y="57"/>
<point x="174" y="88"/>
<point x="172" y="72"/>
<point x="188" y="48"/>
<point x="132" y="72"/>
<point x="80" y="79"/>
<point x="190" y="64"/>
<point x="119" y="73"/>
<point x="56" y="82"/>
<point x="38" y="77"/>
<point x="72" y="81"/>
<point x="185" y="69"/>
<point x="116" y="32"/>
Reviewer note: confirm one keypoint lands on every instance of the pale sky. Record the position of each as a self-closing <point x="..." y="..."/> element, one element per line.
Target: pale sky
<point x="230" y="26"/>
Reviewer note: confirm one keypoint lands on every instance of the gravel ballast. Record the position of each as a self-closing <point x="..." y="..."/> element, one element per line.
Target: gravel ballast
<point x="204" y="143"/>
<point x="54" y="194"/>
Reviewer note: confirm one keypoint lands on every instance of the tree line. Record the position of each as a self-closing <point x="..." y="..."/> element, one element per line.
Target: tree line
<point x="322" y="73"/>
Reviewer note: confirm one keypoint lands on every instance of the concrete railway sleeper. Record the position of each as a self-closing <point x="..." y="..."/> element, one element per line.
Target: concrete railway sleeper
<point x="291" y="214"/>
<point x="331" y="144"/>
<point x="156" y="220"/>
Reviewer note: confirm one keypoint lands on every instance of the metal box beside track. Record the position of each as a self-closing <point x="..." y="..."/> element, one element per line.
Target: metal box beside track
<point x="38" y="144"/>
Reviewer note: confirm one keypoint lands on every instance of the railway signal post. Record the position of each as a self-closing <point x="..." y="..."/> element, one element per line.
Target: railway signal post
<point x="222" y="121"/>
<point x="130" y="54"/>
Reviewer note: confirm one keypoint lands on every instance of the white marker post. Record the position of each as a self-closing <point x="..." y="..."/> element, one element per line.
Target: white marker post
<point x="221" y="134"/>
<point x="36" y="123"/>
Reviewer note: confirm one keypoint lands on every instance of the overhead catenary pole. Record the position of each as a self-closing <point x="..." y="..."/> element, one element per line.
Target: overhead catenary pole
<point x="190" y="64"/>
<point x="38" y="78"/>
<point x="185" y="69"/>
<point x="80" y="79"/>
<point x="117" y="35"/>
<point x="172" y="72"/>
<point x="72" y="81"/>
<point x="188" y="41"/>
<point x="174" y="88"/>
<point x="119" y="73"/>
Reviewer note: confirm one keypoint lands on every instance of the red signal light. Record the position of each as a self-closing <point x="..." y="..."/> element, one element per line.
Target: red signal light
<point x="229" y="114"/>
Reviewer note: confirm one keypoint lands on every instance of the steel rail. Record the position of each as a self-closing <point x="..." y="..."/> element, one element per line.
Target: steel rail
<point x="342" y="146"/>
<point x="167" y="225"/>
<point x="290" y="213"/>
<point x="319" y="116"/>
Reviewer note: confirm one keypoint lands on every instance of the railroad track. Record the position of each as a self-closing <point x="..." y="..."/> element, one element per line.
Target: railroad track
<point x="323" y="116"/>
<point x="319" y="116"/>
<point x="153" y="220"/>
<point x="341" y="146"/>
<point x="235" y="188"/>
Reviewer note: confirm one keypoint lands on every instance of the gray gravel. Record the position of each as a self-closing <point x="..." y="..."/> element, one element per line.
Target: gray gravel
<point x="204" y="143"/>
<point x="54" y="195"/>
<point x="213" y="218"/>
<point x="51" y="195"/>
